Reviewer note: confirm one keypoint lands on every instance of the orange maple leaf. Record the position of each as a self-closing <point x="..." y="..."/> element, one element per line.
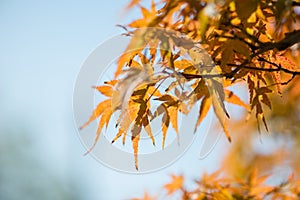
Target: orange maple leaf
<point x="175" y="185"/>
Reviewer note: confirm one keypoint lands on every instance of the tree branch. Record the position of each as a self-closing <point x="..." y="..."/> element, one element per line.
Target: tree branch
<point x="289" y="40"/>
<point x="229" y="75"/>
<point x="295" y="3"/>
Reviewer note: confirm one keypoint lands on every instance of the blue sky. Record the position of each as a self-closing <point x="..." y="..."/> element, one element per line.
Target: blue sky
<point x="43" y="45"/>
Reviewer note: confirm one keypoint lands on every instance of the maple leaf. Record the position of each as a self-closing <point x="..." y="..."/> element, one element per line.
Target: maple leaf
<point x="182" y="64"/>
<point x="101" y="107"/>
<point x="139" y="40"/>
<point x="204" y="108"/>
<point x="285" y="62"/>
<point x="230" y="97"/>
<point x="237" y="40"/>
<point x="134" y="78"/>
<point x="105" y="90"/>
<point x="148" y="17"/>
<point x="169" y="109"/>
<point x="132" y="4"/>
<point x="104" y="120"/>
<point x="136" y="130"/>
<point x="218" y="97"/>
<point x="145" y="197"/>
<point x="230" y="48"/>
<point x="147" y="127"/>
<point x="126" y="119"/>
<point x="125" y="59"/>
<point x="259" y="98"/>
<point x="245" y="8"/>
<point x="277" y="79"/>
<point x="173" y="113"/>
<point x="165" y="125"/>
<point x="205" y="66"/>
<point x="220" y="113"/>
<point x="175" y="185"/>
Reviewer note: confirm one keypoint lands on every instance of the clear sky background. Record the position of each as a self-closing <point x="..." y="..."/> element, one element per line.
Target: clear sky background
<point x="42" y="46"/>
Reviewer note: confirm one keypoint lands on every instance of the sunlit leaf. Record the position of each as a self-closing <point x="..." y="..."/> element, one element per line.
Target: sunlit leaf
<point x="105" y="90"/>
<point x="104" y="120"/>
<point x="101" y="107"/>
<point x="175" y="184"/>
<point x="232" y="98"/>
<point x="165" y="126"/>
<point x="135" y="142"/>
<point x="146" y="124"/>
<point x="173" y="113"/>
<point x="204" y="108"/>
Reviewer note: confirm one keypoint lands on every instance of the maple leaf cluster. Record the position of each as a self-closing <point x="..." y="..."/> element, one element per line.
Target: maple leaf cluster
<point x="215" y="186"/>
<point x="206" y="46"/>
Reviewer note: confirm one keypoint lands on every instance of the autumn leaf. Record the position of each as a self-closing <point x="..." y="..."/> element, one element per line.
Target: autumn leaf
<point x="148" y="16"/>
<point x="159" y="110"/>
<point x="215" y="85"/>
<point x="175" y="185"/>
<point x="232" y="47"/>
<point x="204" y="108"/>
<point x="165" y="126"/>
<point x="256" y="184"/>
<point x="136" y="130"/>
<point x="125" y="88"/>
<point x="218" y="97"/>
<point x="105" y="90"/>
<point x="221" y="115"/>
<point x="101" y="107"/>
<point x="227" y="54"/>
<point x="125" y="59"/>
<point x="259" y="98"/>
<point x="193" y="47"/>
<point x="285" y="62"/>
<point x="111" y="82"/>
<point x="146" y="125"/>
<point x="153" y="91"/>
<point x="230" y="97"/>
<point x="251" y="87"/>
<point x="182" y="64"/>
<point x="132" y="4"/>
<point x="103" y="121"/>
<point x="145" y="197"/>
<point x="245" y="8"/>
<point x="126" y="119"/>
<point x="173" y="113"/>
<point x="277" y="79"/>
<point x="165" y="97"/>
